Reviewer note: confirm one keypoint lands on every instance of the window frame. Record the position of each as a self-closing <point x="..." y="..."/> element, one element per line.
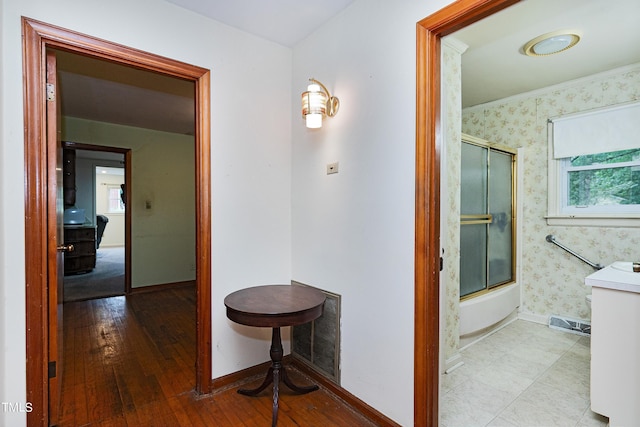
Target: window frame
<point x="118" y="188"/>
<point x="556" y="214"/>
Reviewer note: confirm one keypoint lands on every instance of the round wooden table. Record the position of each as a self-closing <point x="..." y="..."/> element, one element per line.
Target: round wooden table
<point x="275" y="306"/>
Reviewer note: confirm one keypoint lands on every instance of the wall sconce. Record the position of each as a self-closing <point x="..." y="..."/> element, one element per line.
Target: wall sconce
<point x="317" y="103"/>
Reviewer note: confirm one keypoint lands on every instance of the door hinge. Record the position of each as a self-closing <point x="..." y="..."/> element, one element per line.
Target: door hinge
<point x="52" y="369"/>
<point x="51" y="92"/>
<point x="441" y="263"/>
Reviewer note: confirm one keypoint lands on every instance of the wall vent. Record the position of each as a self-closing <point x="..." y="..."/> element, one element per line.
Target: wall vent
<point x="574" y="326"/>
<point x="317" y="343"/>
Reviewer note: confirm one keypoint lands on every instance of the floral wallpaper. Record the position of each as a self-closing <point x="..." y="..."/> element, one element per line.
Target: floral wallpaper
<point x="450" y="200"/>
<point x="551" y="279"/>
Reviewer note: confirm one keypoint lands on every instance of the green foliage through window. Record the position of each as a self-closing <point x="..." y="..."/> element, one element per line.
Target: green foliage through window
<point x="604" y="179"/>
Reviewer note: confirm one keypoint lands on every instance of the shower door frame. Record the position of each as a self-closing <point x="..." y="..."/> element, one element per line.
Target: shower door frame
<point x="488" y="217"/>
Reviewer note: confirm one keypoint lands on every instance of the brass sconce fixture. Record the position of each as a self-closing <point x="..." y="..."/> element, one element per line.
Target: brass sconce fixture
<point x="317" y="103"/>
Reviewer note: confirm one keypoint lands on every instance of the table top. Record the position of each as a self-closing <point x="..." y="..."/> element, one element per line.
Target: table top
<point x="274" y="305"/>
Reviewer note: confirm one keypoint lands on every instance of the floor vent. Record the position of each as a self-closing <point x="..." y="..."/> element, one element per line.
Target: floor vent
<point x="317" y="343"/>
<point x="574" y="326"/>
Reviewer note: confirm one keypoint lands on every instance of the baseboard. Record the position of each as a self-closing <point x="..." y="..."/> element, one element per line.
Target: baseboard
<point x="249" y="374"/>
<point x="161" y="287"/>
<point x="235" y="378"/>
<point x="453" y="362"/>
<point x="535" y="318"/>
<point x="362" y="408"/>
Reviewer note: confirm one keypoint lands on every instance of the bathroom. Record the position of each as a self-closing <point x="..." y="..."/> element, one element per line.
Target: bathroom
<point x="549" y="281"/>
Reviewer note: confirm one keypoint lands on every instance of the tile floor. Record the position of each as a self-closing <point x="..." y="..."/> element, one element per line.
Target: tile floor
<point x="525" y="374"/>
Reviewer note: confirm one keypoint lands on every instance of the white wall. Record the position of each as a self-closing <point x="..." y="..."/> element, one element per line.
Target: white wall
<point x="251" y="160"/>
<point x="353" y="232"/>
<point x="162" y="197"/>
<point x="4" y="184"/>
<point x="276" y="215"/>
<point x="115" y="229"/>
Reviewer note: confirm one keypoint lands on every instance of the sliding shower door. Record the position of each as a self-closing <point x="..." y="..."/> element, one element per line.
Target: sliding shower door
<point x="487" y="203"/>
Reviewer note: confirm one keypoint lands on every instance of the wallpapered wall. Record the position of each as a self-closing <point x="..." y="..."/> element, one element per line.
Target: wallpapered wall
<point x="450" y="198"/>
<point x="552" y="280"/>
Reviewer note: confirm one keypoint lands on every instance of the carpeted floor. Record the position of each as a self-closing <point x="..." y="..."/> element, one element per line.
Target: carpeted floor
<point x="106" y="280"/>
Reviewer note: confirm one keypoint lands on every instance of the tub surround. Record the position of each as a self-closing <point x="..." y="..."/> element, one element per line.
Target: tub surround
<point x="482" y="314"/>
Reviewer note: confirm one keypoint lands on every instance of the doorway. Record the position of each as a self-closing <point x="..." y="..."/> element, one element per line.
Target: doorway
<point x="427" y="218"/>
<point x="101" y="174"/>
<point x="40" y="197"/>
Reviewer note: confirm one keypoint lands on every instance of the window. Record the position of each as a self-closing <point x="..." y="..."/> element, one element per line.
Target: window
<point x="487" y="217"/>
<point x="589" y="186"/>
<point x="601" y="183"/>
<point x="115" y="204"/>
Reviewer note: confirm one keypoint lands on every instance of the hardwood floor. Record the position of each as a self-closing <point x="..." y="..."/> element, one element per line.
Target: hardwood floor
<point x="129" y="361"/>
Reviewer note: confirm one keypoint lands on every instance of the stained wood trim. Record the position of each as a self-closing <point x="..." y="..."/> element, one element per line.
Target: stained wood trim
<point x="37" y="37"/>
<point x="162" y="287"/>
<point x="362" y="408"/>
<point x="92" y="147"/>
<point x="203" y="234"/>
<point x="245" y="375"/>
<point x="37" y="338"/>
<point x="427" y="222"/>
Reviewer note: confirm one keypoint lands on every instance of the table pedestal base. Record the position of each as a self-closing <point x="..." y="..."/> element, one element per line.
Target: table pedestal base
<point x="274" y="374"/>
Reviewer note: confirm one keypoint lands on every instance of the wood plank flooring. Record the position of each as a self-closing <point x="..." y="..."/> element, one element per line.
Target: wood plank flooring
<point x="130" y="361"/>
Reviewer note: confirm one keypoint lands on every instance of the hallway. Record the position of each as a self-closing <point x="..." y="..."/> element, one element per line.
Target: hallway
<point x="129" y="361"/>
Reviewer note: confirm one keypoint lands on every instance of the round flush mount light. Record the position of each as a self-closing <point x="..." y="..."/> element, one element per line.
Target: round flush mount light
<point x="550" y="43"/>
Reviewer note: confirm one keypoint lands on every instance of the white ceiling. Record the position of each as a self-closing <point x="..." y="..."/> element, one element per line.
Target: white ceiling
<point x="493" y="66"/>
<point x="95" y="89"/>
<point x="282" y="21"/>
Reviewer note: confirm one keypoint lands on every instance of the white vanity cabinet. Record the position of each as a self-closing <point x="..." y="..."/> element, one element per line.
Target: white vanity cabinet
<point x="615" y="344"/>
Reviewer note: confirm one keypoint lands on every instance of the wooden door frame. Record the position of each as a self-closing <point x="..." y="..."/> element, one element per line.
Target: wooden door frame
<point x="427" y="221"/>
<point x="37" y="38"/>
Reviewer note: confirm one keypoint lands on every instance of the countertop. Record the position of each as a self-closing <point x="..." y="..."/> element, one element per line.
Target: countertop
<point x="618" y="276"/>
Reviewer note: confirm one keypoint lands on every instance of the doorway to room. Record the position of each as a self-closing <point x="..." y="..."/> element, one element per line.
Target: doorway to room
<point x="42" y="232"/>
<point x="103" y="269"/>
<point x="427" y="219"/>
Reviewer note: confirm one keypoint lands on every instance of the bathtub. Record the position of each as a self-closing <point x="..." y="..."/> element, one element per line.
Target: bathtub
<point x="481" y="315"/>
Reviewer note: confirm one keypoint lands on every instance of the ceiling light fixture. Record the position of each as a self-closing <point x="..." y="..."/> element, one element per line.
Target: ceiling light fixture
<point x="317" y="103"/>
<point x="550" y="43"/>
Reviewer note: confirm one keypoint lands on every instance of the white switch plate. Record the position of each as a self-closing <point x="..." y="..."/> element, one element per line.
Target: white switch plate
<point x="332" y="168"/>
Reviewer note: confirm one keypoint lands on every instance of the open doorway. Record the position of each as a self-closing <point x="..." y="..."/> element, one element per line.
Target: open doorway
<point x="41" y="173"/>
<point x="100" y="193"/>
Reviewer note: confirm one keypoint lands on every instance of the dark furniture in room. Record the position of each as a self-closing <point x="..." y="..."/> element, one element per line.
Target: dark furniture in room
<point x="275" y="306"/>
<point x="101" y="221"/>
<point x="82" y="259"/>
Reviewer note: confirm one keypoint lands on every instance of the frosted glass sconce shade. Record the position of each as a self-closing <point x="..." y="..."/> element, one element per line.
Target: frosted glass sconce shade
<point x="317" y="103"/>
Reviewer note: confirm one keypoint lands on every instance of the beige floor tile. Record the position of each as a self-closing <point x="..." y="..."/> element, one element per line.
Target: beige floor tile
<point x="525" y="374"/>
<point x="459" y="412"/>
<point x="553" y="400"/>
<point x="522" y="413"/>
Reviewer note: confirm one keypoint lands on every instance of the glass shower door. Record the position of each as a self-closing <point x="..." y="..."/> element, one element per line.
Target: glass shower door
<point x="486" y="218"/>
<point x="474" y="205"/>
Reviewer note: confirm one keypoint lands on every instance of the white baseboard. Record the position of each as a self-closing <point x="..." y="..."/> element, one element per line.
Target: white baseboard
<point x="453" y="362"/>
<point x="535" y="318"/>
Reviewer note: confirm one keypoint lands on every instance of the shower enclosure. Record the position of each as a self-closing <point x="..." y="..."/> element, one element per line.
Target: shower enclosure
<point x="487" y="217"/>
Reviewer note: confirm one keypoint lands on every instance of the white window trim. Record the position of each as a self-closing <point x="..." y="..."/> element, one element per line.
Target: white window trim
<point x="554" y="208"/>
<point x="109" y="188"/>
